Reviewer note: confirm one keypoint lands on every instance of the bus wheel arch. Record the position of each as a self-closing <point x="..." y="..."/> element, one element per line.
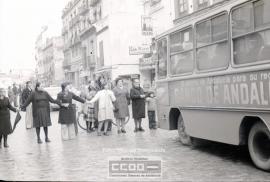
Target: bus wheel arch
<point x="177" y="122"/>
<point x="259" y="145"/>
<point x="255" y="133"/>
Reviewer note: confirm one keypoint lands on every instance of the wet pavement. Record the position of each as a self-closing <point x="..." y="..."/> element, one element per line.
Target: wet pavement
<point x="86" y="157"/>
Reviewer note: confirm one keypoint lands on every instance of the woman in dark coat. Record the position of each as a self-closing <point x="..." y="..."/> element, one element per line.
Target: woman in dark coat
<point x="121" y="104"/>
<point x="40" y="100"/>
<point x="138" y="104"/>
<point x="67" y="113"/>
<point x="5" y="124"/>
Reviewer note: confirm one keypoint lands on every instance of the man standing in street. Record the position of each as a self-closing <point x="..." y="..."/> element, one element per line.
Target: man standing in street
<point x="15" y="93"/>
<point x="28" y="116"/>
<point x="138" y="104"/>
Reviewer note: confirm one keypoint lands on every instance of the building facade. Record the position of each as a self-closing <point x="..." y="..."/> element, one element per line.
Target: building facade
<point x="49" y="60"/>
<point x="157" y="18"/>
<point x="109" y="39"/>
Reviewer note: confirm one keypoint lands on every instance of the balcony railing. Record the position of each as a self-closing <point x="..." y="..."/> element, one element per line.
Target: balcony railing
<point x="85" y="29"/>
<point x="83" y="9"/>
<point x="93" y="2"/>
<point x="91" y="61"/>
<point x="64" y="30"/>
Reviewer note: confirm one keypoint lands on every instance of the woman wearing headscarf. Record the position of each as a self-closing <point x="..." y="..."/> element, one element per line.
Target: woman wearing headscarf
<point x="105" y="98"/>
<point x="67" y="113"/>
<point x="121" y="104"/>
<point x="5" y="124"/>
<point x="40" y="100"/>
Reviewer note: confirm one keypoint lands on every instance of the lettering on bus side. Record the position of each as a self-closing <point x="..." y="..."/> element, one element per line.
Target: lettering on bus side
<point x="249" y="90"/>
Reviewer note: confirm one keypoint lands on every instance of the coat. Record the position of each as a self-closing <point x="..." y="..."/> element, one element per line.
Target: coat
<point x="138" y="103"/>
<point x="67" y="115"/>
<point x="5" y="124"/>
<point x="25" y="94"/>
<point x="122" y="101"/>
<point x="105" y="100"/>
<point x="40" y="100"/>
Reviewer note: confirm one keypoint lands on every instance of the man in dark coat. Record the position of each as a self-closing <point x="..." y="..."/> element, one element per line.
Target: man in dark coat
<point x="138" y="104"/>
<point x="15" y="93"/>
<point x="28" y="116"/>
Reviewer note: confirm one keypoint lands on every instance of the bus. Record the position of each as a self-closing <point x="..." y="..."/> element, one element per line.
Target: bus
<point x="213" y="77"/>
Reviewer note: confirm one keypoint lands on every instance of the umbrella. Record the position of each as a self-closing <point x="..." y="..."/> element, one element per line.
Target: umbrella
<point x="17" y="119"/>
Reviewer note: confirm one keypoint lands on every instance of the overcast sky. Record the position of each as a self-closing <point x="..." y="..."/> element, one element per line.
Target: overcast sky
<point x="20" y="24"/>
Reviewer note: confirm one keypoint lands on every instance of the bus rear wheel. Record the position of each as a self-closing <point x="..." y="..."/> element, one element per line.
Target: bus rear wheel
<point x="259" y="146"/>
<point x="184" y="137"/>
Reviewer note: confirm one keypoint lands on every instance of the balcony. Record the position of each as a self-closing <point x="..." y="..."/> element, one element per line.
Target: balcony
<point x="67" y="45"/>
<point x="94" y="2"/>
<point x="75" y="40"/>
<point x="64" y="30"/>
<point x="74" y="21"/>
<point x="85" y="29"/>
<point x="91" y="61"/>
<point x="83" y="9"/>
<point x="66" y="63"/>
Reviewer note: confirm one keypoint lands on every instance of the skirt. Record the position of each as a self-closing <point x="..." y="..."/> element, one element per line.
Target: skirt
<point x="42" y="118"/>
<point x="5" y="125"/>
<point x="29" y="117"/>
<point x="90" y="115"/>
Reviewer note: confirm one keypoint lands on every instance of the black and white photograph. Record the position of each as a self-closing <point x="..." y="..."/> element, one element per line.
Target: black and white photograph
<point x="135" y="90"/>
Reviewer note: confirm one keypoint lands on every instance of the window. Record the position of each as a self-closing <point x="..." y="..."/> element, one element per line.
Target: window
<point x="181" y="57"/>
<point x="251" y="32"/>
<point x="202" y="3"/>
<point x="181" y="7"/>
<point x="212" y="43"/>
<point x="162" y="58"/>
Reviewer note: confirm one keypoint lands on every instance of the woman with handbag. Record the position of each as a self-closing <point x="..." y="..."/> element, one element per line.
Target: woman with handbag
<point x="121" y="105"/>
<point x="105" y="98"/>
<point x="67" y="112"/>
<point x="5" y="124"/>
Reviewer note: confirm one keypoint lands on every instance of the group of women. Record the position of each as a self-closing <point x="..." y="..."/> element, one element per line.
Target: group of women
<point x="100" y="104"/>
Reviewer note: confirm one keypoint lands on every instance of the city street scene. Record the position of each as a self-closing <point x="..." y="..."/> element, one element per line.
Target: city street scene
<point x="135" y="90"/>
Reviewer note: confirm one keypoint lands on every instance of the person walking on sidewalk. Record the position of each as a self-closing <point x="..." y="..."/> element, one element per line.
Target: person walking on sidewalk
<point x="67" y="112"/>
<point x="121" y="104"/>
<point x="28" y="116"/>
<point x="138" y="104"/>
<point x="40" y="100"/>
<point x="15" y="93"/>
<point x="5" y="124"/>
<point x="105" y="98"/>
<point x="151" y="108"/>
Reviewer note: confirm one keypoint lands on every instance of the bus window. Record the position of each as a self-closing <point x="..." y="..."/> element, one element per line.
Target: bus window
<point x="212" y="43"/>
<point x="162" y="58"/>
<point x="254" y="46"/>
<point x="181" y="59"/>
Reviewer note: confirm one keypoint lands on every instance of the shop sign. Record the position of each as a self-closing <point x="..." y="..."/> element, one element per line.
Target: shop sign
<point x="146" y="63"/>
<point x="137" y="50"/>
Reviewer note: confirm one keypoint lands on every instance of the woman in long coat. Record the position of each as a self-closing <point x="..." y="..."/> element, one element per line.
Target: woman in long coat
<point x="121" y="104"/>
<point x="67" y="113"/>
<point x="105" y="98"/>
<point x="138" y="104"/>
<point x="40" y="100"/>
<point x="5" y="124"/>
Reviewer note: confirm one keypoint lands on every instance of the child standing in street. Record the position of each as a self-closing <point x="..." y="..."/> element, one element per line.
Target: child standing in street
<point x="151" y="107"/>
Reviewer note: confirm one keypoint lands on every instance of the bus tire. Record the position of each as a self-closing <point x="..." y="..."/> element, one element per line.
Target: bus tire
<point x="259" y="146"/>
<point x="185" y="139"/>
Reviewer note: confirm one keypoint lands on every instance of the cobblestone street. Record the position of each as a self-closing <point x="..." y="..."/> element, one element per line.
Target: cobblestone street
<point x="86" y="157"/>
